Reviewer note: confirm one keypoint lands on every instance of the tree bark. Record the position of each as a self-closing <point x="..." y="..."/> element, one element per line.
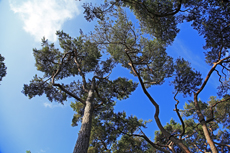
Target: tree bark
<point x="82" y="143"/>
<point x="204" y="126"/>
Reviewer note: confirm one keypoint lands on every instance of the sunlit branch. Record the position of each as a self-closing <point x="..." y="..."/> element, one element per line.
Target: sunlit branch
<point x="189" y="135"/>
<point x="200" y="115"/>
<point x="198" y="148"/>
<point x="170" y="146"/>
<point x="210" y="72"/>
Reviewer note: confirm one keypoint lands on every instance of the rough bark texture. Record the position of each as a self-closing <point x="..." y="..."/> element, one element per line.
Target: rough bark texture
<point x="82" y="143"/>
<point x="198" y="111"/>
<point x="204" y="126"/>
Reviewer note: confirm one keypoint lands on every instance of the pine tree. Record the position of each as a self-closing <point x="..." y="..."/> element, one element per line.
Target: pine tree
<point x="91" y="87"/>
<point x="142" y="50"/>
<point x="158" y="20"/>
<point x="2" y="67"/>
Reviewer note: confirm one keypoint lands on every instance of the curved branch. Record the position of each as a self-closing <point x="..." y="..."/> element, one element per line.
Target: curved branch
<point x="160" y="15"/>
<point x="60" y="86"/>
<point x="156" y="115"/>
<point x="225" y="76"/>
<point x="150" y="142"/>
<point x="210" y="73"/>
<point x="219" y="76"/>
<point x="200" y="115"/>
<point x="178" y="114"/>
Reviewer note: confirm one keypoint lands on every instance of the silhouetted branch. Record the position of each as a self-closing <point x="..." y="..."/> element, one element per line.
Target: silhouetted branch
<point x="60" y="86"/>
<point x="178" y="114"/>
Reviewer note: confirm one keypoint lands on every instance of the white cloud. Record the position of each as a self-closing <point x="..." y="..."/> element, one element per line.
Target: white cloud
<point x="45" y="17"/>
<point x="52" y="105"/>
<point x="42" y="150"/>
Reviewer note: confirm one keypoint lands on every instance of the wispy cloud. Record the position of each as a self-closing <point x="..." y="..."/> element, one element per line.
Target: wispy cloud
<point x="196" y="59"/>
<point x="180" y="49"/>
<point x="42" y="150"/>
<point x="52" y="105"/>
<point x="45" y="17"/>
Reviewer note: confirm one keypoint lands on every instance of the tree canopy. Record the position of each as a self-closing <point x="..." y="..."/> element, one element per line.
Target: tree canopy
<point x="142" y="49"/>
<point x="2" y="67"/>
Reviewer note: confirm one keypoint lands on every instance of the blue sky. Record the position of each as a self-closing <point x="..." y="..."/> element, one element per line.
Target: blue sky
<point x="44" y="127"/>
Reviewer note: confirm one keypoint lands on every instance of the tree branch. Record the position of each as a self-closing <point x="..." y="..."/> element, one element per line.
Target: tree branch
<point x="80" y="71"/>
<point x="178" y="114"/>
<point x="159" y="15"/>
<point x="212" y="111"/>
<point x="167" y="134"/>
<point x="60" y="86"/>
<point x="222" y="144"/>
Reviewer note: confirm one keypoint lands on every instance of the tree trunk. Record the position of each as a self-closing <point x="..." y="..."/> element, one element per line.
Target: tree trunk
<point x="82" y="143"/>
<point x="204" y="126"/>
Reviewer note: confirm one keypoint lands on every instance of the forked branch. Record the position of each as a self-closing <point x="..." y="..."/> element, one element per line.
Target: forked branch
<point x="60" y="86"/>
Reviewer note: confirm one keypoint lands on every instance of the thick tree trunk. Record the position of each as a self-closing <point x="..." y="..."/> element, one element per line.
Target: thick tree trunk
<point x="82" y="143"/>
<point x="204" y="126"/>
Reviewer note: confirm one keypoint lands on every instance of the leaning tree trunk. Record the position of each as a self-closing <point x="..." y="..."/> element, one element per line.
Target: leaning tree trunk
<point x="82" y="143"/>
<point x="204" y="126"/>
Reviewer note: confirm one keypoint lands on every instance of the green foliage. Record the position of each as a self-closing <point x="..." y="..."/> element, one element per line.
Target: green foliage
<point x="78" y="58"/>
<point x="186" y="80"/>
<point x="38" y="87"/>
<point x="130" y="144"/>
<point x="122" y="38"/>
<point x="2" y="67"/>
<point x="107" y="129"/>
<point x="154" y="19"/>
<point x="141" y="49"/>
<point x="211" y="19"/>
<point x="218" y="123"/>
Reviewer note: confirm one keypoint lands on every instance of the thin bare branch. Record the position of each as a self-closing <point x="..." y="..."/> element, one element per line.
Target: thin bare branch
<point x="198" y="148"/>
<point x="219" y="76"/>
